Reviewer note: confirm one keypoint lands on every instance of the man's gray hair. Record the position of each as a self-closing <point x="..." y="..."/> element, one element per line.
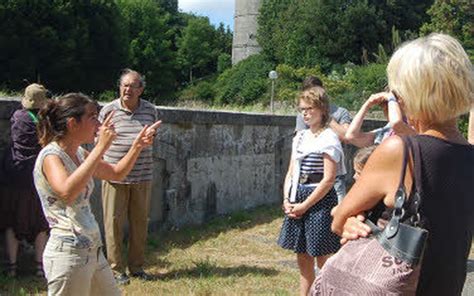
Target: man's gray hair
<point x="127" y="71"/>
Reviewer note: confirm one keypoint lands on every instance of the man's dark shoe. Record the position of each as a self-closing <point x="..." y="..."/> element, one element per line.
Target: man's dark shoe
<point x="142" y="275"/>
<point x="122" y="279"/>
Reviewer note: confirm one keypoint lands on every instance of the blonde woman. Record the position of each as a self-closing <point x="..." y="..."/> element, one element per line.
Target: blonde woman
<point x="433" y="79"/>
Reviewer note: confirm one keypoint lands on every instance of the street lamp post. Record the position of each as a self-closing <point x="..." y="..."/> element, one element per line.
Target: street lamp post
<point x="273" y="75"/>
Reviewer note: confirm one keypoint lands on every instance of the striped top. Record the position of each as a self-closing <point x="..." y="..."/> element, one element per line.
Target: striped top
<point x="127" y="125"/>
<point x="312" y="163"/>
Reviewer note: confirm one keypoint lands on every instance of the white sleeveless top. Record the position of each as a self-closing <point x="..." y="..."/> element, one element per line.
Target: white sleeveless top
<point x="74" y="224"/>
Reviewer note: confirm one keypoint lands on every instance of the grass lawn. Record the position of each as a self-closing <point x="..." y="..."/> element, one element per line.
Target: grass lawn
<point x="231" y="255"/>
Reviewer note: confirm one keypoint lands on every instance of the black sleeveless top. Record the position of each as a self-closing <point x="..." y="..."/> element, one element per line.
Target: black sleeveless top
<point x="447" y="208"/>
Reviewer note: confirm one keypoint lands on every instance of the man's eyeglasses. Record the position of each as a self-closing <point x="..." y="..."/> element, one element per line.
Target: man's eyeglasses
<point x="131" y="85"/>
<point x="304" y="109"/>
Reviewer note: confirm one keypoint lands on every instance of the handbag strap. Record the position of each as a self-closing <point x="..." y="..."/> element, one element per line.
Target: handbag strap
<point x="398" y="213"/>
<point x="406" y="146"/>
<point x="415" y="196"/>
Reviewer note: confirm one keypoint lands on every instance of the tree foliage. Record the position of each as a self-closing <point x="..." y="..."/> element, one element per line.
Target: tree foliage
<point x="318" y="32"/>
<point x="200" y="46"/>
<point x="82" y="45"/>
<point x="454" y="17"/>
<point x="68" y="45"/>
<point x="150" y="44"/>
<point x="407" y="16"/>
<point x="332" y="32"/>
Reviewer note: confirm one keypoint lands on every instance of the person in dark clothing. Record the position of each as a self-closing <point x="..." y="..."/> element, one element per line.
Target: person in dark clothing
<point x="26" y="219"/>
<point x="433" y="79"/>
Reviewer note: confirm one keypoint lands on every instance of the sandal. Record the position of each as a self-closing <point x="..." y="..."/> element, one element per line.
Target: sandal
<point x="11" y="270"/>
<point x="39" y="270"/>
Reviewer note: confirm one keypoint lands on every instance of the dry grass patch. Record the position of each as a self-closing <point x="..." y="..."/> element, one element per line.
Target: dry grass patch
<point x="231" y="255"/>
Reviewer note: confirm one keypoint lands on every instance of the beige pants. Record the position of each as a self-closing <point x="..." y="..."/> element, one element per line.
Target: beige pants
<point x="73" y="271"/>
<point x="121" y="202"/>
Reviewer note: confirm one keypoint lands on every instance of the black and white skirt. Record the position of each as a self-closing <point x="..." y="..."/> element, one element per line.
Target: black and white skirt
<point x="311" y="233"/>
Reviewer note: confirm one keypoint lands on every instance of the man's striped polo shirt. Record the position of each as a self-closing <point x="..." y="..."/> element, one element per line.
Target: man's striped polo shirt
<point x="127" y="125"/>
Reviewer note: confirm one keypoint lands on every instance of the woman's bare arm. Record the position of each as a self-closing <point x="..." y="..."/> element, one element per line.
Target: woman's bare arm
<point x="354" y="134"/>
<point x="118" y="171"/>
<point x="68" y="185"/>
<point x="378" y="181"/>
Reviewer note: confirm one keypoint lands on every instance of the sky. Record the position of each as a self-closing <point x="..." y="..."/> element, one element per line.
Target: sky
<point x="217" y="10"/>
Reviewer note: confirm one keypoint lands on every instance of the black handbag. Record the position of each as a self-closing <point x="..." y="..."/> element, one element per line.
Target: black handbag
<point x="403" y="237"/>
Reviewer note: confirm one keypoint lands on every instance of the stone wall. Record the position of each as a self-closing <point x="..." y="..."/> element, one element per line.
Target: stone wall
<point x="208" y="163"/>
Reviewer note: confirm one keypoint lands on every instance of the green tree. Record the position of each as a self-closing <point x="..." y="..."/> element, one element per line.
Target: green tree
<point x="406" y="16"/>
<point x="170" y="6"/>
<point x="223" y="40"/>
<point x="67" y="45"/>
<point x="195" y="47"/>
<point x="150" y="40"/>
<point x="454" y="17"/>
<point x="318" y="32"/>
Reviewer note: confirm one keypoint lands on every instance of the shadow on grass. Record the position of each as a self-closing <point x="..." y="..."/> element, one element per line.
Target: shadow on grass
<point x="187" y="236"/>
<point x="25" y="283"/>
<point x="470" y="265"/>
<point x="28" y="285"/>
<point x="207" y="269"/>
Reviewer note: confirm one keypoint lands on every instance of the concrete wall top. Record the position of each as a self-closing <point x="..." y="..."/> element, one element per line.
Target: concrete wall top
<point x="180" y="115"/>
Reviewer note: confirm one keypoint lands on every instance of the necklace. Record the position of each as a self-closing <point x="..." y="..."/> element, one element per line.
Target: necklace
<point x="318" y="132"/>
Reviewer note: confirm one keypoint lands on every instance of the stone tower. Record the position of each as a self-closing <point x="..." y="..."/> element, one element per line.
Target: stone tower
<point x="244" y="43"/>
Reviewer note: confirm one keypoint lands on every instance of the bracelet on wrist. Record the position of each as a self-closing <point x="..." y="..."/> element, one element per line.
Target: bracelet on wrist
<point x="392" y="98"/>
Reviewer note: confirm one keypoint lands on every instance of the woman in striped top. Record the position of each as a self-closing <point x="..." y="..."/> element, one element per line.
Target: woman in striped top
<point x="316" y="159"/>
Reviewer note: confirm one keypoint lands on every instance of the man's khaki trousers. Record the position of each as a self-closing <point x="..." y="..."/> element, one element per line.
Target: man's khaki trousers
<point x="121" y="202"/>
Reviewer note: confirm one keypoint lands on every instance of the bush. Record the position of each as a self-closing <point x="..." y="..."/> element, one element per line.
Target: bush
<point x="202" y="91"/>
<point x="245" y="82"/>
<point x="369" y="78"/>
<point x="105" y="96"/>
<point x="463" y="124"/>
<point x="224" y="62"/>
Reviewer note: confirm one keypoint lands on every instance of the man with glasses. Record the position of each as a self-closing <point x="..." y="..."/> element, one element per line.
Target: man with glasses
<point x="339" y="123"/>
<point x="130" y="198"/>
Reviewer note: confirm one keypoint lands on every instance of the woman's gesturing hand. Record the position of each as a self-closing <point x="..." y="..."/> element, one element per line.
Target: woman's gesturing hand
<point x="106" y="132"/>
<point x="147" y="135"/>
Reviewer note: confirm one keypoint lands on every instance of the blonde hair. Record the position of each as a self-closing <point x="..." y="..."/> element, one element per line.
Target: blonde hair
<point x="35" y="96"/>
<point x="434" y="77"/>
<point x="363" y="154"/>
<point x="317" y="97"/>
